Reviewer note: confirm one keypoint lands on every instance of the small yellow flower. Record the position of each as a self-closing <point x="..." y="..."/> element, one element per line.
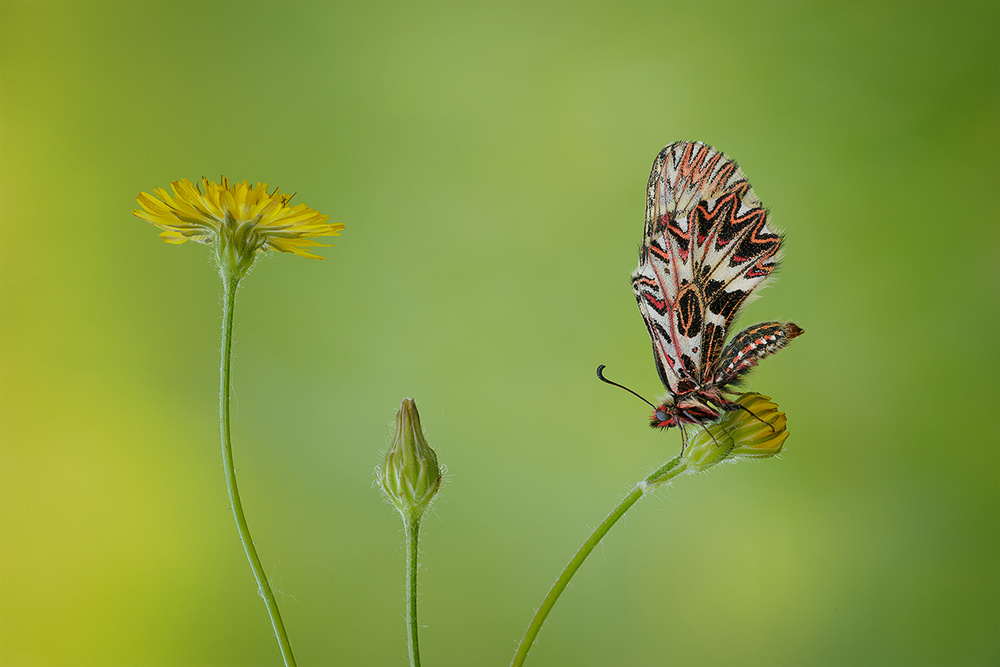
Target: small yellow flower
<point x="761" y="436"/>
<point x="239" y="220"/>
<point x="755" y="430"/>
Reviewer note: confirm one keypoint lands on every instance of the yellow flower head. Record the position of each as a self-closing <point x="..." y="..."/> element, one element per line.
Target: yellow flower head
<point x="239" y="220"/>
<point x="755" y="430"/>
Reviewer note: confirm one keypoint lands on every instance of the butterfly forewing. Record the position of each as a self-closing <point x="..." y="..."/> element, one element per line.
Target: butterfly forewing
<point x="707" y="246"/>
<point x="683" y="175"/>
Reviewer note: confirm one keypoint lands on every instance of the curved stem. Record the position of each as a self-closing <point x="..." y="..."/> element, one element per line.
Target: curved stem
<point x="666" y="472"/>
<point x="412" y="645"/>
<point x="225" y="381"/>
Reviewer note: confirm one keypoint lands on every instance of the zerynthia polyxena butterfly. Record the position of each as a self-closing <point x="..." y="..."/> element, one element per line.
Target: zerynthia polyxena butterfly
<point x="707" y="246"/>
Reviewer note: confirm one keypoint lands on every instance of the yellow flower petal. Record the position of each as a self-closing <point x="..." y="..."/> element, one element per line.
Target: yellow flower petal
<point x="243" y="219"/>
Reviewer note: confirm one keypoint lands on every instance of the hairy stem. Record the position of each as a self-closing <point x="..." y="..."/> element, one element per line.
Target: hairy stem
<point x="669" y="470"/>
<point x="412" y="644"/>
<point x="225" y="383"/>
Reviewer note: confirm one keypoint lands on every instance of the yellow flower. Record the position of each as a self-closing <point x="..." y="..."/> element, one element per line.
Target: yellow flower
<point x="757" y="429"/>
<point x="239" y="220"/>
<point x="761" y="434"/>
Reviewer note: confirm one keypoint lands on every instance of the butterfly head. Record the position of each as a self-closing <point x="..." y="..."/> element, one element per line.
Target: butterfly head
<point x="665" y="415"/>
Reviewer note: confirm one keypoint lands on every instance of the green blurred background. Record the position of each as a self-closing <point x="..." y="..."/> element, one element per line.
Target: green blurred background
<point x="489" y="161"/>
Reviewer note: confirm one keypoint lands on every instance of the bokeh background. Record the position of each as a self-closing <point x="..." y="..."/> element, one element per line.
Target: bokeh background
<point x="489" y="161"/>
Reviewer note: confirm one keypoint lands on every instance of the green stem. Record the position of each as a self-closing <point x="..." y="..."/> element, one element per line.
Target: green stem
<point x="225" y="382"/>
<point x="412" y="645"/>
<point x="666" y="472"/>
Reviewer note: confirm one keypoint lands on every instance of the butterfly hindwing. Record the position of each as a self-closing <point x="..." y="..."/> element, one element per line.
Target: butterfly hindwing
<point x="735" y="252"/>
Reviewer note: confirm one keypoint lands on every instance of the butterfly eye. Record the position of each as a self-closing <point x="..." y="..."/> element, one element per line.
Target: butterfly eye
<point x="662" y="416"/>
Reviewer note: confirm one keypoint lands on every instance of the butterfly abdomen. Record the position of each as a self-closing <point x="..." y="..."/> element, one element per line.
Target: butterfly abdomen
<point x="750" y="346"/>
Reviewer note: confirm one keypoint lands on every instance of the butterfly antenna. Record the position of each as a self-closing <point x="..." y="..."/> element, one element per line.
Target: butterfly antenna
<point x="600" y="375"/>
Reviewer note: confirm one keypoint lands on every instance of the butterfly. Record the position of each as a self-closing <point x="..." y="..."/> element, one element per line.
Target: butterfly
<point x="707" y="246"/>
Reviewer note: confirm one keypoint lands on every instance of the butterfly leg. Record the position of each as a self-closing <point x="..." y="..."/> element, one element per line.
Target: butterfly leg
<point x="736" y="406"/>
<point x="684" y="438"/>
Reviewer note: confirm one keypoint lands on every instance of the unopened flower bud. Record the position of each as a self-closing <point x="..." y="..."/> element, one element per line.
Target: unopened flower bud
<point x="755" y="430"/>
<point x="410" y="475"/>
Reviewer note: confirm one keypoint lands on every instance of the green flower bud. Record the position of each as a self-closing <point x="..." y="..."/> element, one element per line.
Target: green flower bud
<point x="756" y="430"/>
<point x="410" y="475"/>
